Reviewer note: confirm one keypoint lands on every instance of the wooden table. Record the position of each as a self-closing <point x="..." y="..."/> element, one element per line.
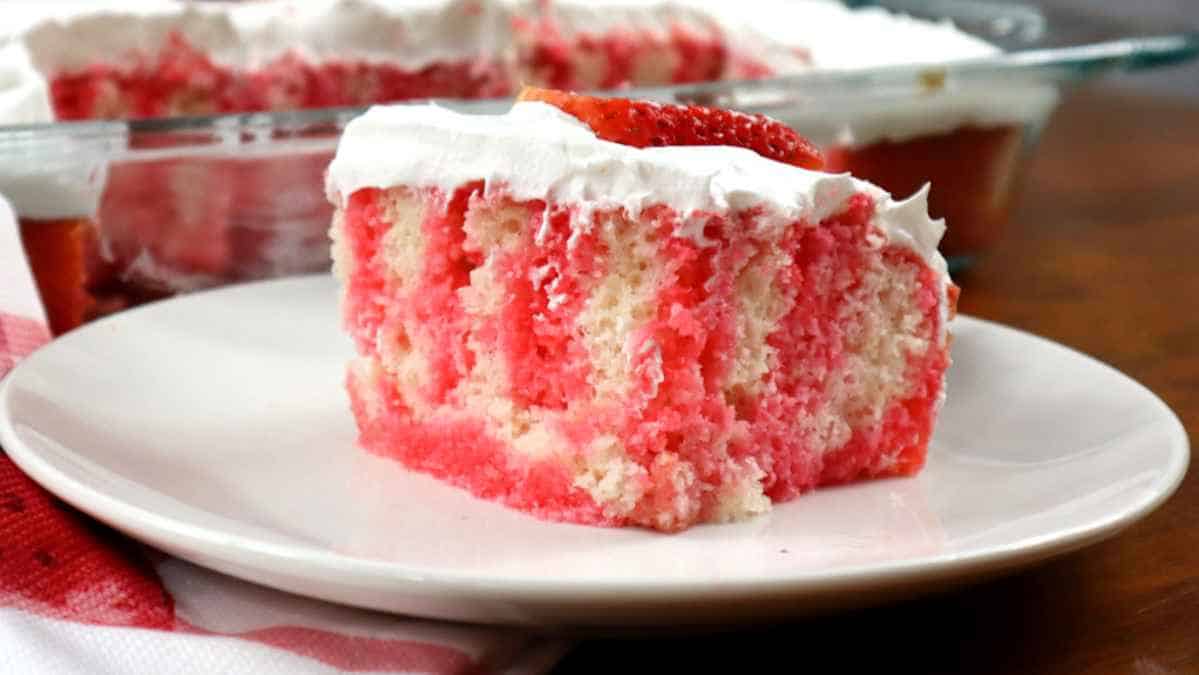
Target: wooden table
<point x="1103" y="255"/>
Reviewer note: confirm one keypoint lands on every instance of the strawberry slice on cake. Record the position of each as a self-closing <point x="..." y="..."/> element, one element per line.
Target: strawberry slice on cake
<point x="644" y="124"/>
<point x="659" y="331"/>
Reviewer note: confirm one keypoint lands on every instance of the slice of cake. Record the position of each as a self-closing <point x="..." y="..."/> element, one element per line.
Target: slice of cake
<point x="605" y="334"/>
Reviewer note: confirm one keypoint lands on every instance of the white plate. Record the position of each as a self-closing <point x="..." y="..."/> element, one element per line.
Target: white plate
<point x="215" y="426"/>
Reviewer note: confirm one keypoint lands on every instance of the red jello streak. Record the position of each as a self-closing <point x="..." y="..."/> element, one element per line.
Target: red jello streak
<point x="377" y="304"/>
<point x="700" y="59"/>
<point x="827" y="261"/>
<point x="292" y="82"/>
<point x="367" y="297"/>
<point x="691" y="334"/>
<point x="830" y="259"/>
<point x="908" y="424"/>
<point x="459" y="451"/>
<point x="548" y="365"/>
<point x="549" y="56"/>
<point x="186" y="81"/>
<point x="465" y="79"/>
<point x="435" y="305"/>
<point x="179" y="79"/>
<point x="552" y="55"/>
<point x="618" y="53"/>
<point x="463" y="453"/>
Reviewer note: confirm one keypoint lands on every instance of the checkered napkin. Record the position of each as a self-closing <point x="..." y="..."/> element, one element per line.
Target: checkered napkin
<point x="76" y="597"/>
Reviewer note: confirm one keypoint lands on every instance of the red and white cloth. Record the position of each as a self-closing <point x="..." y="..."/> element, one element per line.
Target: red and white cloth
<point x="79" y="598"/>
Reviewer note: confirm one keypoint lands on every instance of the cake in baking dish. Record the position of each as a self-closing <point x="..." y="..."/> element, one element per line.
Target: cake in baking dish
<point x="658" y="336"/>
<point x="156" y="58"/>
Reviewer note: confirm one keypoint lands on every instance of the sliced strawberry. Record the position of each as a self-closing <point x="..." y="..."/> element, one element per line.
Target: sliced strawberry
<point x="645" y="123"/>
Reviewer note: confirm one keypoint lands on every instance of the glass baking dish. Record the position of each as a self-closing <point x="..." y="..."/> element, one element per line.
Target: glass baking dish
<point x="117" y="213"/>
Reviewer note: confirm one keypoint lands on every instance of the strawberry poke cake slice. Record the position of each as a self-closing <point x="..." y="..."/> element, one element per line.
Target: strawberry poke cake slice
<point x="595" y="332"/>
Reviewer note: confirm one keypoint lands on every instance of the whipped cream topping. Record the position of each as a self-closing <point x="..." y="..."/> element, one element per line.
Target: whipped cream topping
<point x="536" y="151"/>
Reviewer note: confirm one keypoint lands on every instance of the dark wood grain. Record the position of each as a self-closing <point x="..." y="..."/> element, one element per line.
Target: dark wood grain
<point x="1102" y="255"/>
